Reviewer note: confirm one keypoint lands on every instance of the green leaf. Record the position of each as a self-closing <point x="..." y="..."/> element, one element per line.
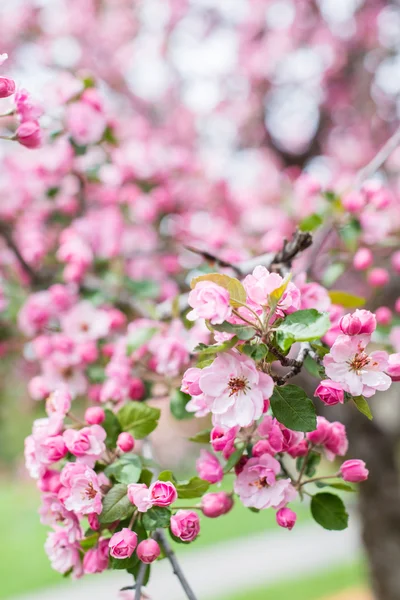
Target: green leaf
<point x="96" y="374"/>
<point x="166" y="476"/>
<point x="194" y="488"/>
<point x="363" y="406"/>
<point x="234" y="458"/>
<point x="256" y="351"/>
<point x="202" y="437"/>
<point x="124" y="563"/>
<point x="329" y="511"/>
<point x="126" y="469"/>
<point x="313" y="367"/>
<point x="242" y="332"/>
<point x="337" y="486"/>
<point x="146" y="477"/>
<point x="293" y="409"/>
<point x="155" y="517"/>
<point x="89" y="542"/>
<point x="350" y="234"/>
<point x="146" y="288"/>
<point x="302" y="326"/>
<point x="205" y="361"/>
<point x="138" y="338"/>
<point x="178" y="405"/>
<point x="332" y="273"/>
<point x="116" y="505"/>
<point x="236" y="290"/>
<point x="139" y="419"/>
<point x="311" y="222"/>
<point x="345" y="299"/>
<point x="112" y="428"/>
<point x="216" y="348"/>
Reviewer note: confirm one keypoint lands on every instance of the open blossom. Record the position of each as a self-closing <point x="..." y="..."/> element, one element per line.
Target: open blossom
<point x="235" y="389"/>
<point x="53" y="513"/>
<point x="209" y="301"/>
<point x="258" y="487"/>
<point x="81" y="489"/>
<point x="261" y="283"/>
<point x="331" y="436"/>
<point x="87" y="444"/>
<point x="85" y="322"/>
<point x="59" y="403"/>
<point x="222" y="440"/>
<point x="356" y="371"/>
<point x="208" y="467"/>
<point x="96" y="559"/>
<point x="63" y="554"/>
<point x="139" y="496"/>
<point x="190" y="381"/>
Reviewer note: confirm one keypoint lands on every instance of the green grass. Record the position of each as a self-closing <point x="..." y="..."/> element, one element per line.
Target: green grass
<point x="308" y="588"/>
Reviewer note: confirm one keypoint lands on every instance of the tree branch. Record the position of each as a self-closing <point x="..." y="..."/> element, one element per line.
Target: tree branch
<point x="162" y="538"/>
<point x="139" y="581"/>
<point x="296" y="364"/>
<point x="5" y="233"/>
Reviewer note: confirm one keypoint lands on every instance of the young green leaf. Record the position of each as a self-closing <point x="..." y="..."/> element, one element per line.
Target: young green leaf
<point x="234" y="458"/>
<point x="193" y="488"/>
<point x="242" y="332"/>
<point x="345" y="299"/>
<point x="329" y="511"/>
<point x="178" y="405"/>
<point x="302" y="326"/>
<point x="311" y="222"/>
<point x="155" y="517"/>
<point x="235" y="288"/>
<point x="293" y="409"/>
<point x="202" y="437"/>
<point x="126" y="469"/>
<point x="363" y="406"/>
<point x="139" y="419"/>
<point x="112" y="427"/>
<point x="204" y="349"/>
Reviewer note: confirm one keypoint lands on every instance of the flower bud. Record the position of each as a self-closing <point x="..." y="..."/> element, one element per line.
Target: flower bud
<point x="216" y="504"/>
<point x="350" y="325"/>
<point x="148" y="551"/>
<point x="93" y="521"/>
<point x="394" y="367"/>
<point x="123" y="543"/>
<point x="185" y="525"/>
<point x="95" y="415"/>
<point x="163" y="493"/>
<point x="360" y="321"/>
<point x="125" y="442"/>
<point x="29" y="134"/>
<point x="378" y="277"/>
<point x="354" y="201"/>
<point x="330" y="392"/>
<point x="354" y="471"/>
<point x="285" y="517"/>
<point x="363" y="259"/>
<point x="7" y="87"/>
<point x="383" y="315"/>
<point x="208" y="467"/>
<point x="136" y="389"/>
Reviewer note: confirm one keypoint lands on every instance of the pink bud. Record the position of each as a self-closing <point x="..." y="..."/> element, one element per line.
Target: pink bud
<point x="350" y="325"/>
<point x="94" y="415"/>
<point x="123" y="543"/>
<point x="330" y="392"/>
<point x="137" y="389"/>
<point x="185" y="525"/>
<point x="29" y="134"/>
<point x="363" y="259"/>
<point x="353" y="202"/>
<point x="383" y="315"/>
<point x="261" y="447"/>
<point x="285" y="517"/>
<point x="148" y="551"/>
<point x="125" y="442"/>
<point x="354" y="471"/>
<point x="378" y="277"/>
<point x="216" y="504"/>
<point x="395" y="260"/>
<point x="241" y="464"/>
<point x="394" y="367"/>
<point x="7" y="87"/>
<point x="93" y="521"/>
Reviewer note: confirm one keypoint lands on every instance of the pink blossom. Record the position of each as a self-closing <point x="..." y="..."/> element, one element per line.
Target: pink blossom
<point x="49" y="481"/>
<point x="329" y="392"/>
<point x="358" y="323"/>
<point x="123" y="543"/>
<point x="270" y="429"/>
<point x="7" y="87"/>
<point x="383" y="315"/>
<point x="208" y="467"/>
<point x="139" y="496"/>
<point x="29" y="134"/>
<point x="148" y="551"/>
<point x="394" y="367"/>
<point x="26" y="109"/>
<point x="222" y="440"/>
<point x="87" y="444"/>
<point x="356" y="371"/>
<point x="285" y="517"/>
<point x="185" y="525"/>
<point x="86" y="322"/>
<point x="363" y="259"/>
<point x="96" y="559"/>
<point x="262" y="283"/>
<point x="125" y="442"/>
<point x="209" y="301"/>
<point x="59" y="403"/>
<point x="63" y="554"/>
<point x="354" y="471"/>
<point x="331" y="436"/>
<point x="85" y="123"/>
<point x="216" y="504"/>
<point x="258" y="487"/>
<point x="190" y="381"/>
<point x="81" y="490"/>
<point x="162" y="493"/>
<point x="378" y="277"/>
<point x="312" y="294"/>
<point x="53" y="514"/>
<point x="235" y="389"/>
<point x="95" y="415"/>
<point x="199" y="405"/>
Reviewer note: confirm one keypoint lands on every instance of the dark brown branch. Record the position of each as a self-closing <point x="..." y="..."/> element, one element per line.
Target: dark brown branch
<point x="211" y="258"/>
<point x="6" y="234"/>
<point x="296" y="364"/>
<point x="162" y="538"/>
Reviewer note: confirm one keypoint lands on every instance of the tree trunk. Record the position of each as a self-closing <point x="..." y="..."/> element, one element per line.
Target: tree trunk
<point x="379" y="503"/>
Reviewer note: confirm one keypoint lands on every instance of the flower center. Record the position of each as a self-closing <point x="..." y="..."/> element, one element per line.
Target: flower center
<point x="84" y="327"/>
<point x="260" y="483"/>
<point x="237" y="384"/>
<point x="359" y="362"/>
<point x="90" y="492"/>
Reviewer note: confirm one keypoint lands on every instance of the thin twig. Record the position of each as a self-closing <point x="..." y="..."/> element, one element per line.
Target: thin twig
<point x="5" y="233"/>
<point x="162" y="538"/>
<point x="378" y="159"/>
<point x="139" y="581"/>
<point x="214" y="259"/>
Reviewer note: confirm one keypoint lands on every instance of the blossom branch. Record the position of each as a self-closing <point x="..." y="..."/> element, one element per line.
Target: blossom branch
<point x="5" y="233"/>
<point x="296" y="364"/>
<point x="170" y="554"/>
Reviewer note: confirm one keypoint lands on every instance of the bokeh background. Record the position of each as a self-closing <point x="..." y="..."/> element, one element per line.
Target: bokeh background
<point x="255" y="87"/>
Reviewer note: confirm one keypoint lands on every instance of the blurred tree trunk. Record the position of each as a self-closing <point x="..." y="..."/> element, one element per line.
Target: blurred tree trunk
<point x="379" y="502"/>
